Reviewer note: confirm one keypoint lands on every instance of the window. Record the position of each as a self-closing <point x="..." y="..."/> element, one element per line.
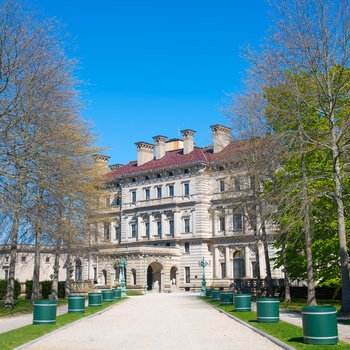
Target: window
<point x="23" y="259"/>
<point x="78" y="271"/>
<point x="186" y="189"/>
<point x="147" y="193"/>
<point x="171" y="227"/>
<point x="133" y="180"/>
<point x="237" y="185"/>
<point x="146" y="178"/>
<point x="238" y="265"/>
<point x="222" y="224"/>
<point x="237" y="222"/>
<point x="159" y="192"/>
<point x="106" y="232"/>
<point x="186" y="171"/>
<point x="6" y="274"/>
<point x="223" y="270"/>
<point x="147" y="229"/>
<point x="47" y="259"/>
<point x="187" y="275"/>
<point x="187" y="247"/>
<point x="117" y="231"/>
<point x="171" y="173"/>
<point x="133" y="196"/>
<point x="171" y="191"/>
<point x="159" y="176"/>
<point x="222" y="186"/>
<point x="133" y="230"/>
<point x="187" y="225"/>
<point x="252" y="182"/>
<point x="255" y="269"/>
<point x="116" y="201"/>
<point x="159" y="228"/>
<point x="7" y="259"/>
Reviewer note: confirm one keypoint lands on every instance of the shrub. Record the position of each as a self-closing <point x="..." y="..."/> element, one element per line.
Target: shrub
<point x="61" y="290"/>
<point x="3" y="286"/>
<point x="29" y="288"/>
<point x="46" y="289"/>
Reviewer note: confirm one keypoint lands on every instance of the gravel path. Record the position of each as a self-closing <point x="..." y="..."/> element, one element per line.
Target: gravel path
<point x="156" y="321"/>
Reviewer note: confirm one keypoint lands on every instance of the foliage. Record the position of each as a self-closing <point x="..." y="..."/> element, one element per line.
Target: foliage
<point x="29" y="287"/>
<point x="46" y="289"/>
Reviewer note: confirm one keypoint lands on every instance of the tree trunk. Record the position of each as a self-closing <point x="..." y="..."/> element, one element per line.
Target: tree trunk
<point x="311" y="294"/>
<point x="69" y="269"/>
<point x="344" y="259"/>
<point x="287" y="297"/>
<point x="10" y="291"/>
<point x="56" y="269"/>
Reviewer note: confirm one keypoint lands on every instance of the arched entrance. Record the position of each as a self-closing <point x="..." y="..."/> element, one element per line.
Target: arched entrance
<point x="173" y="273"/>
<point x="154" y="276"/>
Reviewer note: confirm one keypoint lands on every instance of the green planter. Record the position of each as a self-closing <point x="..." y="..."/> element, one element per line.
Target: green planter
<point x="320" y="325"/>
<point x="226" y="298"/>
<point x="267" y="310"/>
<point x="95" y="299"/>
<point x="208" y="293"/>
<point x="44" y="312"/>
<point x="117" y="294"/>
<point x="76" y="304"/>
<point x="215" y="295"/>
<point x="243" y="302"/>
<point x="107" y="295"/>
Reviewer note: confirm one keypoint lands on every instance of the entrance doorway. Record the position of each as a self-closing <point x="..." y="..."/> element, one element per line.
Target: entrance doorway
<point x="154" y="276"/>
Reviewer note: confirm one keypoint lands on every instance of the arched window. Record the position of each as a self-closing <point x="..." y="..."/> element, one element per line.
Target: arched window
<point x="238" y="265"/>
<point x="133" y="271"/>
<point x="78" y="271"/>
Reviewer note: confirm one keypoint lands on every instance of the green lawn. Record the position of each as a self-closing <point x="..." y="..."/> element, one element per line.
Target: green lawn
<point x="290" y="334"/>
<point x="20" y="336"/>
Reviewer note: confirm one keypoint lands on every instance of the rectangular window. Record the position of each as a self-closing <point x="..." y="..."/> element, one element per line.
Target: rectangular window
<point x="133" y="196"/>
<point x="187" y="225"/>
<point x="237" y="222"/>
<point x="255" y="269"/>
<point x="7" y="259"/>
<point x="222" y="186"/>
<point x="237" y="185"/>
<point x="238" y="268"/>
<point x="187" y="247"/>
<point x="47" y="259"/>
<point x="171" y="227"/>
<point x="186" y="189"/>
<point x="147" y="228"/>
<point x="106" y="232"/>
<point x="159" y="228"/>
<point x="147" y="193"/>
<point x="222" y="224"/>
<point x="171" y="191"/>
<point x="117" y="231"/>
<point x="187" y="275"/>
<point x="23" y="258"/>
<point x="159" y="192"/>
<point x="133" y="230"/>
<point x="6" y="274"/>
<point x="223" y="270"/>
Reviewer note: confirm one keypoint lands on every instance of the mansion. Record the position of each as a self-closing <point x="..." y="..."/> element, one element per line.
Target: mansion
<point x="173" y="207"/>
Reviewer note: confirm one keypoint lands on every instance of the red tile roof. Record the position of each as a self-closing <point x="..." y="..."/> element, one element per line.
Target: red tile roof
<point x="177" y="158"/>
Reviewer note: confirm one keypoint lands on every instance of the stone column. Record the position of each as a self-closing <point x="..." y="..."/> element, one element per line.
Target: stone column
<point x="216" y="263"/>
<point x="177" y="223"/>
<point x="228" y="262"/>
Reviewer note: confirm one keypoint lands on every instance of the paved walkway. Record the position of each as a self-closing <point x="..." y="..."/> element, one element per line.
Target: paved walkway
<point x="156" y="321"/>
<point x="174" y="321"/>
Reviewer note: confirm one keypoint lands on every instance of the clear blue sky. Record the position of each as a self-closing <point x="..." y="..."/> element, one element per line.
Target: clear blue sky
<point x="159" y="66"/>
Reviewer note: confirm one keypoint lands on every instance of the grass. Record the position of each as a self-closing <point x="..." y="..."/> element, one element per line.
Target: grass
<point x="22" y="306"/>
<point x="23" y="335"/>
<point x="290" y="334"/>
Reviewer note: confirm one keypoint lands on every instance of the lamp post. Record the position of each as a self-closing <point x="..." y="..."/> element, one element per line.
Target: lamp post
<point x="203" y="263"/>
<point x="122" y="264"/>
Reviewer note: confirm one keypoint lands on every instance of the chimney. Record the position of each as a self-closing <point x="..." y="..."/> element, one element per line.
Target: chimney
<point x="160" y="146"/>
<point x="101" y="163"/>
<point x="221" y="137"/>
<point x="115" y="166"/>
<point x="145" y="152"/>
<point x="188" y="136"/>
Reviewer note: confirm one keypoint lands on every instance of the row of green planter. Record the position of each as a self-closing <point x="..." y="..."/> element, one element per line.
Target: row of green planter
<point x="319" y="322"/>
<point x="45" y="310"/>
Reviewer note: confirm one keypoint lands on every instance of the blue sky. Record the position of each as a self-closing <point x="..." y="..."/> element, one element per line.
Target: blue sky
<point x="156" y="67"/>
